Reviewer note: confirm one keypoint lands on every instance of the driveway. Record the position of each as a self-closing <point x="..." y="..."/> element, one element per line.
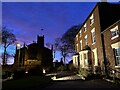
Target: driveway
<point x="97" y="83"/>
<point x="70" y="80"/>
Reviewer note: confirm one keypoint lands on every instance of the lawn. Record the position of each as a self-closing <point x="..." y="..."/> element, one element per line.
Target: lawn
<point x="28" y="83"/>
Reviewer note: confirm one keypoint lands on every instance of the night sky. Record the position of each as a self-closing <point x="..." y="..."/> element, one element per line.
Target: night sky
<point x="55" y="18"/>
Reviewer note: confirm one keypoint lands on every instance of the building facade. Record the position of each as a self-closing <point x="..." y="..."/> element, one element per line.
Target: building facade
<point x="112" y="48"/>
<point x="89" y="45"/>
<point x="34" y="54"/>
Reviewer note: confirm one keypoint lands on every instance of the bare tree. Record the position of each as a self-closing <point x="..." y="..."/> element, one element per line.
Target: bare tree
<point x="8" y="38"/>
<point x="65" y="44"/>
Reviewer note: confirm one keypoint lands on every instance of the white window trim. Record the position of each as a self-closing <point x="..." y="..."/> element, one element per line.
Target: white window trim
<point x="93" y="43"/>
<point x="75" y="61"/>
<point x="114" y="29"/>
<point x="93" y="30"/>
<point x="95" y="57"/>
<point x="85" y="25"/>
<point x="77" y="37"/>
<point x="87" y="40"/>
<point x="117" y="66"/>
<point x="85" y="36"/>
<point x="115" y="45"/>
<point x="92" y="18"/>
<point x="115" y="37"/>
<point x="81" y="44"/>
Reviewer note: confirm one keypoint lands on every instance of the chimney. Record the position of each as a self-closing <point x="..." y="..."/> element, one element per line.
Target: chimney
<point x="103" y="0"/>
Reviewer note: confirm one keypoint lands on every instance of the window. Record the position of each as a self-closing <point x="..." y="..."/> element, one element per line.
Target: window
<point x="114" y="32"/>
<point x="77" y="47"/>
<point x="80" y="33"/>
<point x="77" y="37"/>
<point x="81" y="45"/>
<point x="86" y="40"/>
<point x="117" y="56"/>
<point x="85" y="29"/>
<point x="91" y="19"/>
<point x="93" y="36"/>
<point x="85" y="56"/>
<point x="85" y="59"/>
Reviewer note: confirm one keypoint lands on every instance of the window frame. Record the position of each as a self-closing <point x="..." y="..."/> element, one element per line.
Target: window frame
<point x="86" y="40"/>
<point x="117" y="56"/>
<point x="93" y="36"/>
<point x="91" y="19"/>
<point x="114" y="30"/>
<point x="80" y="33"/>
<point x="85" y="27"/>
<point x="80" y="44"/>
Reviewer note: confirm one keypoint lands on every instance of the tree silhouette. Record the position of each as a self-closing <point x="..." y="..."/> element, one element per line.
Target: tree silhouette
<point x="65" y="44"/>
<point x="68" y="37"/>
<point x="8" y="38"/>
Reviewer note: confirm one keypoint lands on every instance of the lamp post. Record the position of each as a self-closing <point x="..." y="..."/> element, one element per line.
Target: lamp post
<point x="113" y="75"/>
<point x="18" y="48"/>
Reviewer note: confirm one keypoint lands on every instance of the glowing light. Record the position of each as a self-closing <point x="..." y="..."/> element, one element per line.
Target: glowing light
<point x="44" y="71"/>
<point x="26" y="72"/>
<point x="18" y="45"/>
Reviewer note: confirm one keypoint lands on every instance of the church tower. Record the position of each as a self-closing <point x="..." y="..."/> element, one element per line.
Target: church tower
<point x="40" y="40"/>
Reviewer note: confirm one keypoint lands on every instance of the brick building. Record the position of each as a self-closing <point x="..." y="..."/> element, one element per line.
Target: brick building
<point x="89" y="43"/>
<point x="112" y="48"/>
<point x="34" y="54"/>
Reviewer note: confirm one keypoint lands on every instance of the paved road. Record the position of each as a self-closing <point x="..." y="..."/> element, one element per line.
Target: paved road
<point x="81" y="84"/>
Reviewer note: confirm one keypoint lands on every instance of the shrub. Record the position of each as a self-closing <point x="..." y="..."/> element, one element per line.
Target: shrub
<point x="19" y="74"/>
<point x="85" y="73"/>
<point x="61" y="68"/>
<point x="6" y="74"/>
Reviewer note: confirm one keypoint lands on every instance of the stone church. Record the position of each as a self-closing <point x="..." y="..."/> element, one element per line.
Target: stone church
<point x="34" y="54"/>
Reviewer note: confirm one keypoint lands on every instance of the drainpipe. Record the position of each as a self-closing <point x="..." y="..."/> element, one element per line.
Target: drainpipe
<point x="104" y="54"/>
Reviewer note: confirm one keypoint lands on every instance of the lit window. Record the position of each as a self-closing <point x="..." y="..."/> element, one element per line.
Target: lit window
<point x="114" y="32"/>
<point x="91" y="19"/>
<point x="93" y="35"/>
<point x="80" y="33"/>
<point x="81" y="45"/>
<point x="86" y="40"/>
<point x="117" y="56"/>
<point x="85" y="29"/>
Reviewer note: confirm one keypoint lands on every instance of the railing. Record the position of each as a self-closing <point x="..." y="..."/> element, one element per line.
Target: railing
<point x="113" y="73"/>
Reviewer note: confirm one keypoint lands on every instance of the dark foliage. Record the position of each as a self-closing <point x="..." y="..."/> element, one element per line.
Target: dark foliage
<point x="19" y="74"/>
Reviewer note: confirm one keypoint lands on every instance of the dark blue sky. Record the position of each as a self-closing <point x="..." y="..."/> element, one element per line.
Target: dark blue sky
<point x="27" y="19"/>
